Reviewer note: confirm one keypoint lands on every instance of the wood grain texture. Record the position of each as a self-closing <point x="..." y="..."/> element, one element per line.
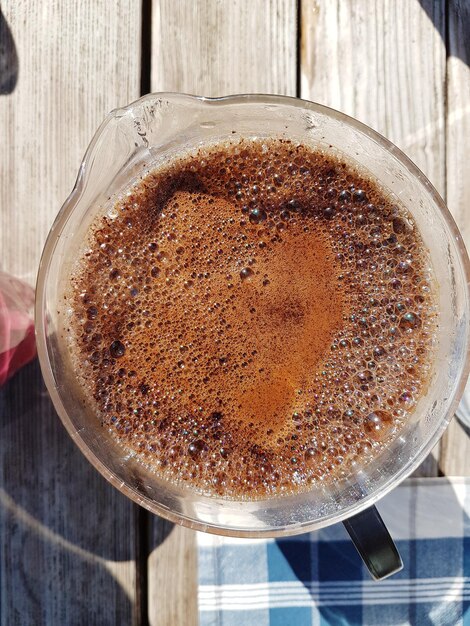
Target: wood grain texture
<point x="66" y="536"/>
<point x="211" y="48"/>
<point x="172" y="575"/>
<point x="215" y="48"/>
<point x="382" y="62"/>
<point x="455" y="449"/>
<point x="76" y="61"/>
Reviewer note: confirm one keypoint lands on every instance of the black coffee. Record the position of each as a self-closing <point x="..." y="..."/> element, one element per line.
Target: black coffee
<point x="253" y="317"/>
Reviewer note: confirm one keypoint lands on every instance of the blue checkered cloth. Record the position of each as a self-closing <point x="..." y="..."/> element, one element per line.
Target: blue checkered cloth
<point x="319" y="579"/>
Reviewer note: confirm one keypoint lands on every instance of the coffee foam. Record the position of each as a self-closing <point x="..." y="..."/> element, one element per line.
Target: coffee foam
<point x="253" y="318"/>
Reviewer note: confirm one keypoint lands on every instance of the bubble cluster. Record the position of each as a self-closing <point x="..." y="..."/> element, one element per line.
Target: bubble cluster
<point x="253" y="318"/>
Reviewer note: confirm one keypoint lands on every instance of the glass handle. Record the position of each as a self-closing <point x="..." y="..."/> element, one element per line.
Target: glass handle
<point x="374" y="543"/>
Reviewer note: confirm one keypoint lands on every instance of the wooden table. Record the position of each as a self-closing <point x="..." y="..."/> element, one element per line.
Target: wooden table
<point x="72" y="549"/>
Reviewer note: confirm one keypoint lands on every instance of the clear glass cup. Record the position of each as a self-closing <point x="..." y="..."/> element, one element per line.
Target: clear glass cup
<point x="152" y="130"/>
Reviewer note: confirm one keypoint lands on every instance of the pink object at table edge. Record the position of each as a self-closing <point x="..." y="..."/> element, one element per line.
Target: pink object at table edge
<point x="12" y="358"/>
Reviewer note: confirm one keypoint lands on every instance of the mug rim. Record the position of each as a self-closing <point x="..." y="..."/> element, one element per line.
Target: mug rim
<point x="68" y="208"/>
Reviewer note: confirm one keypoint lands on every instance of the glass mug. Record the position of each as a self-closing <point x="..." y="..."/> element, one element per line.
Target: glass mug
<point x="152" y="130"/>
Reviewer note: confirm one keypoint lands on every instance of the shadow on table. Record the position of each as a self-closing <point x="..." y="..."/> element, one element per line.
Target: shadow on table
<point x="66" y="533"/>
<point x="8" y="58"/>
<point x="463" y="426"/>
<point x="457" y="14"/>
<point x="330" y="569"/>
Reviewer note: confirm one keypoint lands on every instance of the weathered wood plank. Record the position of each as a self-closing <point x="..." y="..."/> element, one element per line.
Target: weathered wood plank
<point x="172" y="574"/>
<point x="211" y="48"/>
<point x="383" y="62"/>
<point x="455" y="451"/>
<point x="76" y="61"/>
<point x="214" y="48"/>
<point x="66" y="536"/>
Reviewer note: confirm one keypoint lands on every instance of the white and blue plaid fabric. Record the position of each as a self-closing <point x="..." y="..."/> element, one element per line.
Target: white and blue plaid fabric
<point x="318" y="579"/>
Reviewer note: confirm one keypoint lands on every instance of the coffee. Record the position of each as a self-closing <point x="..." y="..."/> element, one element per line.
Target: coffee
<point x="253" y="317"/>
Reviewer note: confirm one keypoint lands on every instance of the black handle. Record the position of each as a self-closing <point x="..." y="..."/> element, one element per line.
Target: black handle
<point x="374" y="543"/>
